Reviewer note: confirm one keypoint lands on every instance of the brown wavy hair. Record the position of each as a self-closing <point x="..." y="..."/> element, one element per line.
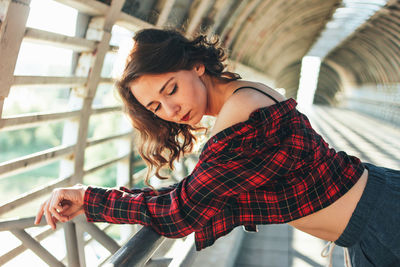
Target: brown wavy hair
<point x="158" y="51"/>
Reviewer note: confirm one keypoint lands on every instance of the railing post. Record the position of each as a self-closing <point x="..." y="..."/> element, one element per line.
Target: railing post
<point x="81" y="245"/>
<point x="90" y="64"/>
<point x="71" y="242"/>
<point x="12" y="31"/>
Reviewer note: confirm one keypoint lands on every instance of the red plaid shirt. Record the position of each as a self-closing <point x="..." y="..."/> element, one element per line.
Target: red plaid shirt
<point x="272" y="168"/>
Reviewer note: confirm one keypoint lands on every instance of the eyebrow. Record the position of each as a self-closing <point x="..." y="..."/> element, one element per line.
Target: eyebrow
<point x="160" y="92"/>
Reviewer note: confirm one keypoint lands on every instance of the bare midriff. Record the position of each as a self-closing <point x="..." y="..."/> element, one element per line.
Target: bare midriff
<point x="330" y="222"/>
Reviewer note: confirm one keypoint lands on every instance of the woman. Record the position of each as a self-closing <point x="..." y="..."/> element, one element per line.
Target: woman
<point x="264" y="163"/>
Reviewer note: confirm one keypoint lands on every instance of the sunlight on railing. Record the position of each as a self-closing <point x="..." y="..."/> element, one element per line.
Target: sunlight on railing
<point x="40" y="56"/>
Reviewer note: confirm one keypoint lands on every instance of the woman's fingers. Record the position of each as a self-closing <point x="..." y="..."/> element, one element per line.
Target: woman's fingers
<point x="50" y="210"/>
<point x="56" y="214"/>
<point x="49" y="218"/>
<point x="39" y="214"/>
<point x="55" y="206"/>
<point x="63" y="204"/>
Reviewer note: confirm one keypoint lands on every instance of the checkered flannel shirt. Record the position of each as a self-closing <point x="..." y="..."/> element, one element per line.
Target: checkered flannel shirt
<point x="272" y="168"/>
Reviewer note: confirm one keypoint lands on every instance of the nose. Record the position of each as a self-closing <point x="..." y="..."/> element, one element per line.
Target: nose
<point x="171" y="109"/>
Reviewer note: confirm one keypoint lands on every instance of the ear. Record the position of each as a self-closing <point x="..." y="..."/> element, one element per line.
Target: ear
<point x="199" y="69"/>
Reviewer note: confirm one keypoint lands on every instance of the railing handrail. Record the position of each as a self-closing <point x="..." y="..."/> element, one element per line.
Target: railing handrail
<point x="138" y="250"/>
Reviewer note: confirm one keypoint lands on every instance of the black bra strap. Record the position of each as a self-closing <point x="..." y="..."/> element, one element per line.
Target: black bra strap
<point x="276" y="101"/>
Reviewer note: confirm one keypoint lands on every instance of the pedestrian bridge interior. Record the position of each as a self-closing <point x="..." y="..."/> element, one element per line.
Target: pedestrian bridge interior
<point x="61" y="122"/>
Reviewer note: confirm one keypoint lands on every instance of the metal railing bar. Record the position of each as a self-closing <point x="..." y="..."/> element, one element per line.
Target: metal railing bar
<point x="107" y="80"/>
<point x="159" y="262"/>
<point x="138" y="163"/>
<point x="54" y="81"/>
<point x="33" y="160"/>
<point x="375" y="101"/>
<point x="21" y="248"/>
<point x="105" y="164"/>
<point x="113" y="49"/>
<point x="96" y="8"/>
<point x="20" y="223"/>
<point x="49" y="81"/>
<point x="90" y="7"/>
<point x="132" y="23"/>
<point x="59" y="40"/>
<point x="138" y="250"/>
<point x="99" y="235"/>
<point x="105" y="259"/>
<point x="33" y="194"/>
<point x="25" y="121"/>
<point x="139" y="176"/>
<point x="90" y="238"/>
<point x="71" y="243"/>
<point x="36" y="247"/>
<point x="92" y="142"/>
<point x="106" y="110"/>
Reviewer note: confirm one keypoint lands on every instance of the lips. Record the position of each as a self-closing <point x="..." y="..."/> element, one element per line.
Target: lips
<point x="186" y="117"/>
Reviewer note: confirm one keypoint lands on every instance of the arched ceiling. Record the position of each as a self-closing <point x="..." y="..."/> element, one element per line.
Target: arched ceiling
<point x="267" y="35"/>
<point x="371" y="55"/>
<point x="279" y="33"/>
<point x="273" y="36"/>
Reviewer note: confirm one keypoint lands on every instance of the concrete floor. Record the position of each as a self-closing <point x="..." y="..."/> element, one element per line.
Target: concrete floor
<point x="283" y="246"/>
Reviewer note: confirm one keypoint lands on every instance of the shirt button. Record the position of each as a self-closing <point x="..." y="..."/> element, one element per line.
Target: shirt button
<point x="215" y="140"/>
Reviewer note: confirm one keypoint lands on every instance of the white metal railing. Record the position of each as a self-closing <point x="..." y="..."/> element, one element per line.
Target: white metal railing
<point x="71" y="152"/>
<point x="381" y="101"/>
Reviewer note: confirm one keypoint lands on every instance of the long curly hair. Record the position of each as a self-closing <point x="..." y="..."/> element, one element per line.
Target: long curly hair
<point x="158" y="51"/>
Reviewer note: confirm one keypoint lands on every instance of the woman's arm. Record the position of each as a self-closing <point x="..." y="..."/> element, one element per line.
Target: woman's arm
<point x="185" y="209"/>
<point x="66" y="203"/>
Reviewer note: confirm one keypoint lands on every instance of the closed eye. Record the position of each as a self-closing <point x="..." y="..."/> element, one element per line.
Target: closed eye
<point x="173" y="90"/>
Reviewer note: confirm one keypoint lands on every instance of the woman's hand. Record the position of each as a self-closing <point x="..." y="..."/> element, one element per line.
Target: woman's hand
<point x="63" y="205"/>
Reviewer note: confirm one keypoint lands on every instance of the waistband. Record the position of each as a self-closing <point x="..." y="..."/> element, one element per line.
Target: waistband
<point x="365" y="207"/>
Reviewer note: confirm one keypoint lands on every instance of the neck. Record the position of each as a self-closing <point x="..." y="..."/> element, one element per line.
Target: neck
<point x="218" y="91"/>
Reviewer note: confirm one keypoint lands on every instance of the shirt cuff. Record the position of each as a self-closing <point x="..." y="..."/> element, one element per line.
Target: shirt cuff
<point x="92" y="204"/>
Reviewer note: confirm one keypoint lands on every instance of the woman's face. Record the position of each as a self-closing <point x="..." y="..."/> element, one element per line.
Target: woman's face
<point x="179" y="97"/>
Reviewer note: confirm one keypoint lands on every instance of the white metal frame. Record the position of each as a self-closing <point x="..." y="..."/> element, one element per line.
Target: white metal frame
<point x="84" y="84"/>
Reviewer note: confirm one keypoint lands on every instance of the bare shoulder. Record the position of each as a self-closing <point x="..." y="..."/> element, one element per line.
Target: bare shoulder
<point x="241" y="104"/>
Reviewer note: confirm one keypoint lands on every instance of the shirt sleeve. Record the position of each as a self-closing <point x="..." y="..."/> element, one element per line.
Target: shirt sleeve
<point x="186" y="208"/>
<point x="149" y="191"/>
